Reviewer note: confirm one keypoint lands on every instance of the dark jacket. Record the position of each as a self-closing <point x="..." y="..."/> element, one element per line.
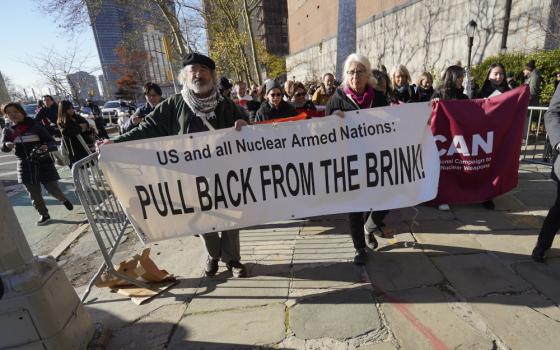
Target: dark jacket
<point x="267" y="111"/>
<point x="51" y="113"/>
<point x="70" y="131"/>
<point x="26" y="136"/>
<point x="404" y="94"/>
<point x="307" y="105"/>
<point x="141" y="112"/>
<point x="456" y="95"/>
<point x="174" y="117"/>
<point x="340" y="102"/>
<point x="534" y="81"/>
<point x="423" y="95"/>
<point x="488" y="89"/>
<point x="552" y="125"/>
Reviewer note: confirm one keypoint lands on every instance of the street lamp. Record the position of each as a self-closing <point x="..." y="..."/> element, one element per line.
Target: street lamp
<point x="471" y="28"/>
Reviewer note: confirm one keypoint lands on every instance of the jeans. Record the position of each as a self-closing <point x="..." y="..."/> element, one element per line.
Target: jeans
<point x="37" y="200"/>
<point x="224" y="246"/>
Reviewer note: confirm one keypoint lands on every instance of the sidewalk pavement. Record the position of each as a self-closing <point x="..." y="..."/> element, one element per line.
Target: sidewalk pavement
<point x="459" y="279"/>
<point x="43" y="239"/>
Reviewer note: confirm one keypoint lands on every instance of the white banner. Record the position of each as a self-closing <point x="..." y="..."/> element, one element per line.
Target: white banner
<point x="380" y="158"/>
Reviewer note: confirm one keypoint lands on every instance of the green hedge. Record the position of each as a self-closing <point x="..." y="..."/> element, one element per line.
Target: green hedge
<point x="547" y="63"/>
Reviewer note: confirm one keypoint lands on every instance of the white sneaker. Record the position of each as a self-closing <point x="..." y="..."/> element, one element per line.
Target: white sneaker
<point x="443" y="207"/>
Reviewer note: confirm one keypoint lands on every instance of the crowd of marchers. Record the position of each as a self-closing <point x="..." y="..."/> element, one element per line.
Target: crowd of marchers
<point x="207" y="102"/>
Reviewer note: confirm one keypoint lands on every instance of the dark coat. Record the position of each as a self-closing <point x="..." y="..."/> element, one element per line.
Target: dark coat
<point x="457" y="95"/>
<point x="174" y="117"/>
<point x="406" y="94"/>
<point x="308" y="105"/>
<point x="552" y="125"/>
<point x="70" y="131"/>
<point x="423" y="95"/>
<point x="340" y="102"/>
<point x="141" y="112"/>
<point x="267" y="111"/>
<point x="488" y="89"/>
<point x="30" y="170"/>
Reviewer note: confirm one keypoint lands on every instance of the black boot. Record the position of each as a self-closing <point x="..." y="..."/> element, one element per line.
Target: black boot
<point x="361" y="257"/>
<point x="538" y="255"/>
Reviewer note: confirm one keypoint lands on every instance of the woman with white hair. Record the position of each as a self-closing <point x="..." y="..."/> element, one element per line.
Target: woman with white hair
<point x="357" y="92"/>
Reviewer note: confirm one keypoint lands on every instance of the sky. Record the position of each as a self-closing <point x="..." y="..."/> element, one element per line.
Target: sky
<point x="25" y="31"/>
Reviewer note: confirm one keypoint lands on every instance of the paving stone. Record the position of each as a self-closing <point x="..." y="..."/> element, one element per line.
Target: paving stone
<point x="533" y="198"/>
<point x="116" y="311"/>
<point x="229" y="330"/>
<point x="544" y="277"/>
<point x="220" y="293"/>
<point x="322" y="249"/>
<point x="479" y="274"/>
<point x="325" y="278"/>
<point x="325" y="227"/>
<point x="379" y="346"/>
<point x="339" y="315"/>
<point x="496" y="220"/>
<point x="401" y="269"/>
<point x="445" y="237"/>
<point x="150" y="332"/>
<point x="427" y="213"/>
<point x="411" y="314"/>
<point x="526" y="321"/>
<point x="512" y="246"/>
<point x="508" y="202"/>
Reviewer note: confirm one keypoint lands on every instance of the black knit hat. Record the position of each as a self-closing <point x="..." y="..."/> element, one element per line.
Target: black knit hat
<point x="224" y="84"/>
<point x="196" y="57"/>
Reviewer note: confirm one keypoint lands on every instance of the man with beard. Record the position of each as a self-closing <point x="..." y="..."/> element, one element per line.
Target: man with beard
<point x="199" y="107"/>
<point x="327" y="89"/>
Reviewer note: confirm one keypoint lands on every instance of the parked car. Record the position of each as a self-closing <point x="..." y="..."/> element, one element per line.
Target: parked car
<point x="111" y="109"/>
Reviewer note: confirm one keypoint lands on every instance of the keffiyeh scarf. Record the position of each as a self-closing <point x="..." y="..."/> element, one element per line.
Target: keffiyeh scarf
<point x="202" y="107"/>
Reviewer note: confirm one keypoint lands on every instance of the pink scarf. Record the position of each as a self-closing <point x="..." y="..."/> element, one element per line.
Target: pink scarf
<point x="364" y="100"/>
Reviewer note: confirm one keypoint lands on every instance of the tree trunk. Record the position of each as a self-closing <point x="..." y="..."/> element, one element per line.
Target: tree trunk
<point x="181" y="45"/>
<point x="254" y="55"/>
<point x="237" y="39"/>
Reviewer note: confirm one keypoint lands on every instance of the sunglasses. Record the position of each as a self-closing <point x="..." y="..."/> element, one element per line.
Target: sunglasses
<point x="299" y="94"/>
<point x="275" y="95"/>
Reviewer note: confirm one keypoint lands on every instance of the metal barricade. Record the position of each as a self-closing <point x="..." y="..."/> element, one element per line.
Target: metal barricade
<point x="536" y="147"/>
<point x="104" y="213"/>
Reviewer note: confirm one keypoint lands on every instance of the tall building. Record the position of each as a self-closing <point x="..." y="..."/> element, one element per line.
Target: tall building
<point x="158" y="64"/>
<point x="272" y="26"/>
<point x="83" y="86"/>
<point x="422" y="34"/>
<point x="116" y="22"/>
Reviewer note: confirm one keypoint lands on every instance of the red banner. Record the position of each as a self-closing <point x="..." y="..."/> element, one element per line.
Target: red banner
<point x="479" y="143"/>
<point x="300" y="116"/>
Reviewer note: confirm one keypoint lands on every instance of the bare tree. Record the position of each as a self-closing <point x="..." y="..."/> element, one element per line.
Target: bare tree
<point x="54" y="67"/>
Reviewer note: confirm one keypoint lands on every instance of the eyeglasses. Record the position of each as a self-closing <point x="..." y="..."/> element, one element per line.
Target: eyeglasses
<point x="355" y="72"/>
<point x="299" y="94"/>
<point x="275" y="95"/>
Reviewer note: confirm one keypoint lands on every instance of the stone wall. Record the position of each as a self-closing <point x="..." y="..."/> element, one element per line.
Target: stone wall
<point x="430" y="35"/>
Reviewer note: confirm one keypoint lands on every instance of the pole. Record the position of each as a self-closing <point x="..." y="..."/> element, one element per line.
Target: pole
<point x="471" y="41"/>
<point x="505" y="30"/>
<point x="38" y="305"/>
<point x="14" y="250"/>
<point x="346" y="34"/>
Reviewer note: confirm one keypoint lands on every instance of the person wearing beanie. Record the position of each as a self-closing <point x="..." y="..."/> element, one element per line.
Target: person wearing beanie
<point x="224" y="86"/>
<point x="199" y="107"/>
<point x="274" y="106"/>
<point x="533" y="79"/>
